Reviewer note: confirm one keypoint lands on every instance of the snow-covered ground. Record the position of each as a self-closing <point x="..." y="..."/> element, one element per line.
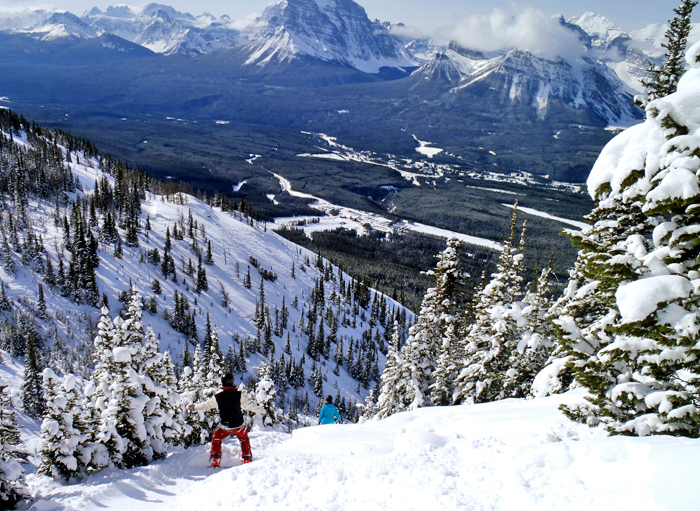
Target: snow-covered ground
<point x="508" y="455"/>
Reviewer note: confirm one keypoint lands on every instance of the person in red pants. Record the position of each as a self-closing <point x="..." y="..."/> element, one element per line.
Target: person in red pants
<point x="231" y="402"/>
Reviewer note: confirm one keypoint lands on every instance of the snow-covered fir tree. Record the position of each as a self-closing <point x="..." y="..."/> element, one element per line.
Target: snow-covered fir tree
<point x="65" y="451"/>
<point x="98" y="388"/>
<point x="495" y="333"/>
<point x="536" y="342"/>
<point x="420" y="357"/>
<point x="394" y="393"/>
<point x="162" y="406"/>
<point x="664" y="78"/>
<point x="265" y="392"/>
<point x="13" y="485"/>
<point x="646" y="378"/>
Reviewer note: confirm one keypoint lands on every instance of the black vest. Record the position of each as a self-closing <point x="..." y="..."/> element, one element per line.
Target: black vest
<point x="229" y="402"/>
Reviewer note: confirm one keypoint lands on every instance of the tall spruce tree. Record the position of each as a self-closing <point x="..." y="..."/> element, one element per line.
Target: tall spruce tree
<point x="494" y="335"/>
<point x="664" y="79"/>
<point x="32" y="389"/>
<point x="421" y="356"/>
<point x="394" y="394"/>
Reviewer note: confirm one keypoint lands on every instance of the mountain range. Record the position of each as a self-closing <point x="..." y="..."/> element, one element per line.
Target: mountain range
<point x="302" y="61"/>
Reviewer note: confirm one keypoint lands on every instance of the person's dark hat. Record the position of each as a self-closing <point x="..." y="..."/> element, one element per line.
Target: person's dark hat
<point x="227" y="380"/>
<point x="329" y="399"/>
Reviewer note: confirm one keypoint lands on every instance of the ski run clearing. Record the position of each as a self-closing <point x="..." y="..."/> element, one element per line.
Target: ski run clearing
<point x="507" y="455"/>
<point x="339" y="216"/>
<point x="541" y="214"/>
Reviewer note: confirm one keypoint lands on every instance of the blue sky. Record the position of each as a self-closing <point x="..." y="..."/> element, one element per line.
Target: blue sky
<point x="427" y="15"/>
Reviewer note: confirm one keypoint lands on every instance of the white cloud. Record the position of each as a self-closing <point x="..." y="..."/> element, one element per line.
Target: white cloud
<point x="526" y="28"/>
<point x="250" y="21"/>
<point x="401" y="30"/>
<point x="20" y="7"/>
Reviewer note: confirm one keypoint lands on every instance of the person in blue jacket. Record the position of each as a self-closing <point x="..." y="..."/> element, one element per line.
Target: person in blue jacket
<point x="329" y="413"/>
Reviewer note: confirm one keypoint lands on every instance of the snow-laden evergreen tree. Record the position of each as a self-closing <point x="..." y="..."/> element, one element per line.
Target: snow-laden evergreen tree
<point x="13" y="485"/>
<point x="606" y="258"/>
<point x="32" y="388"/>
<point x="394" y="394"/>
<point x="215" y="369"/>
<point x="420" y="357"/>
<point x="122" y="429"/>
<point x="162" y="405"/>
<point x="495" y="333"/>
<point x="536" y="342"/>
<point x="173" y="428"/>
<point x="648" y="375"/>
<point x="65" y="451"/>
<point x="198" y="425"/>
<point x="98" y="388"/>
<point x="265" y="392"/>
<point x="664" y="79"/>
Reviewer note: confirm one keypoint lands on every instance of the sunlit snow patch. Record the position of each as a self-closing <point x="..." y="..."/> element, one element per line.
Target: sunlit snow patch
<point x="325" y="156"/>
<point x="237" y="188"/>
<point x="425" y="150"/>
<point x="534" y="212"/>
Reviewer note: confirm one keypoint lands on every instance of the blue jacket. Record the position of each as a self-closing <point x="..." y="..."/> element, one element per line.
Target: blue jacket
<point x="329" y="412"/>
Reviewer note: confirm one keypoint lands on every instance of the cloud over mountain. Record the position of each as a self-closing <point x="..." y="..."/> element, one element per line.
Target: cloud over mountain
<point x="525" y="28"/>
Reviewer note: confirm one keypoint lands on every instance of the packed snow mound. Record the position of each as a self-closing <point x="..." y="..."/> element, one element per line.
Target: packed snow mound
<point x="506" y="455"/>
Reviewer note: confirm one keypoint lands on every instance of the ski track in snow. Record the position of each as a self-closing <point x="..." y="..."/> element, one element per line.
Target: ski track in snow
<point x="507" y="455"/>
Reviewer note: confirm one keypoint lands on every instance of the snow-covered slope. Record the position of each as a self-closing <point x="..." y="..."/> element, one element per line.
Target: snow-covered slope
<point x="329" y="30"/>
<point x="499" y="456"/>
<point x="237" y="247"/>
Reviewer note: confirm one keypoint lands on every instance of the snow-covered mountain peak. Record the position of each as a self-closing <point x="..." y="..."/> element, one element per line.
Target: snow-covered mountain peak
<point x="63" y="24"/>
<point x="520" y="76"/>
<point x="602" y="31"/>
<point x="329" y="30"/>
<point x="163" y="29"/>
<point x="164" y="11"/>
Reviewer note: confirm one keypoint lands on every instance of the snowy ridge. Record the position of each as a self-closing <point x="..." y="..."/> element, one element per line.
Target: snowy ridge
<point x="163" y="29"/>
